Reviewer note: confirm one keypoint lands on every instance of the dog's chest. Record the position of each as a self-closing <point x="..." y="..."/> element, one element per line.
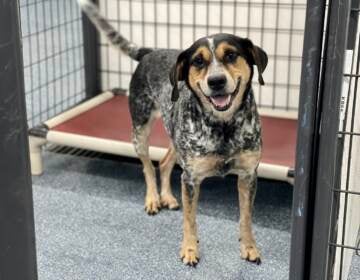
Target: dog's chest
<point x="199" y="139"/>
<point x="242" y="164"/>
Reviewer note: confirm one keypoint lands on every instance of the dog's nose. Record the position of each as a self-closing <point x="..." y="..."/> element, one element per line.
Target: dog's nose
<point x="217" y="82"/>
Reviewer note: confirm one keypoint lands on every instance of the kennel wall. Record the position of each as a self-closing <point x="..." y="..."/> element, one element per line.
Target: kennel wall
<point x="54" y="47"/>
<point x="53" y="51"/>
<point x="276" y="26"/>
<point x="66" y="61"/>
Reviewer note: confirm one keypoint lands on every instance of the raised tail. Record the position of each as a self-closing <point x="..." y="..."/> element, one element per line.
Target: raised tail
<point x="114" y="37"/>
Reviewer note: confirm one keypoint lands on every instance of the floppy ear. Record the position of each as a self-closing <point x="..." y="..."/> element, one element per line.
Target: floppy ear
<point x="258" y="56"/>
<point x="177" y="74"/>
<point x="260" y="59"/>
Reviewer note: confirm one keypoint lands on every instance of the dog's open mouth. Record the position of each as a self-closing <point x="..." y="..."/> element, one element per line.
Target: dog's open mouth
<point x="222" y="102"/>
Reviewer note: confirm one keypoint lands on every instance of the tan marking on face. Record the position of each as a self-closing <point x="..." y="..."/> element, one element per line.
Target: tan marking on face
<point x="222" y="48"/>
<point x="196" y="74"/>
<point x="234" y="71"/>
<point x="204" y="51"/>
<point x="239" y="68"/>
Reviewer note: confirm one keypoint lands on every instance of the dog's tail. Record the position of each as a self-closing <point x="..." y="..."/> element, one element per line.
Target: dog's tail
<point x="115" y="38"/>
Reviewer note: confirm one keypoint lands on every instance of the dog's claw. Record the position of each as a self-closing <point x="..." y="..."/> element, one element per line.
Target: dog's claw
<point x="174" y="208"/>
<point x="250" y="253"/>
<point x="257" y="261"/>
<point x="169" y="201"/>
<point x="192" y="264"/>
<point x="189" y="257"/>
<point x="152" y="205"/>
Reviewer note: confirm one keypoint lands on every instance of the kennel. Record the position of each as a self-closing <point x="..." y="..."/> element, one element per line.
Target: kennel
<point x="84" y="80"/>
<point x="158" y="24"/>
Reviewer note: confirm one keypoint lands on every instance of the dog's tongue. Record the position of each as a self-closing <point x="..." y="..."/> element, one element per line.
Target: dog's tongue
<point x="221" y="100"/>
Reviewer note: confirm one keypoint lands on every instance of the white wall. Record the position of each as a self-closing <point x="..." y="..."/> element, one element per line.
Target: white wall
<point x="277" y="28"/>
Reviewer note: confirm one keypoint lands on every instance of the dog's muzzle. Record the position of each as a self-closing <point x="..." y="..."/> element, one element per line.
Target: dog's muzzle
<point x="221" y="101"/>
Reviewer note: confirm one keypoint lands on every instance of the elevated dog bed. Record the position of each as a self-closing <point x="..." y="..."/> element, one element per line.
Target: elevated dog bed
<point x="103" y="124"/>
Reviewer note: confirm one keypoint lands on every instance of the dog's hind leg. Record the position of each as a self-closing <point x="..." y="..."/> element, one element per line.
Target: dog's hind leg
<point x="247" y="190"/>
<point x="167" y="198"/>
<point x="140" y="139"/>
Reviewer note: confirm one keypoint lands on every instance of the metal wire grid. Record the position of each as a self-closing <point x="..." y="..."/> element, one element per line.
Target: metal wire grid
<point x="275" y="25"/>
<point x="53" y="57"/>
<point x="344" y="241"/>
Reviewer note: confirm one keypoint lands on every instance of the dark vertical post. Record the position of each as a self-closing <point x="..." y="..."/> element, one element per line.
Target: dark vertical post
<point x="91" y="57"/>
<point x="339" y="12"/>
<point x="17" y="235"/>
<point x="308" y="123"/>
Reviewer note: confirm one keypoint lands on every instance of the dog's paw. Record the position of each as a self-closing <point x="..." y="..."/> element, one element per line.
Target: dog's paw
<point x="152" y="205"/>
<point x="250" y="253"/>
<point x="169" y="201"/>
<point x="189" y="255"/>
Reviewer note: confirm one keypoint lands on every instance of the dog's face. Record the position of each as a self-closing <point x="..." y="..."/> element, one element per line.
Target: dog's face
<point x="218" y="69"/>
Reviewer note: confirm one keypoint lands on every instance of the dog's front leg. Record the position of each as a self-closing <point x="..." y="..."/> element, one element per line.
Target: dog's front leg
<point x="247" y="190"/>
<point x="189" y="248"/>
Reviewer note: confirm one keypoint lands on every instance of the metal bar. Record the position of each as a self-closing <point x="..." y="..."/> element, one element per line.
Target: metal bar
<point x="321" y="263"/>
<point x="351" y="75"/>
<point x="349" y="133"/>
<point x="91" y="57"/>
<point x="345" y="191"/>
<point x="279" y="30"/>
<point x="306" y="141"/>
<point x="344" y="246"/>
<point x="17" y="234"/>
<point x="354" y="18"/>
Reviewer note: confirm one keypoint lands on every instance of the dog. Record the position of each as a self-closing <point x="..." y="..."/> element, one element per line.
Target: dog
<point x="206" y="101"/>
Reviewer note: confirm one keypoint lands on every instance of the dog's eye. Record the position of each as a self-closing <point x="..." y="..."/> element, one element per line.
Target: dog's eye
<point x="230" y="57"/>
<point x="198" y="62"/>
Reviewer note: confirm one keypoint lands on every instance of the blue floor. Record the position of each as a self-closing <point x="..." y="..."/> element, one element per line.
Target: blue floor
<point x="90" y="224"/>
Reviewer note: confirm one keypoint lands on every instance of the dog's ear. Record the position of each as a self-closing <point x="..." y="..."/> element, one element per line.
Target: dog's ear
<point x="177" y="74"/>
<point x="258" y="56"/>
<point x="261" y="60"/>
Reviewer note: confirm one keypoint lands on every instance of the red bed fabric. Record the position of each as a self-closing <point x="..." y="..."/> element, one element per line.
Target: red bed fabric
<point x="111" y="120"/>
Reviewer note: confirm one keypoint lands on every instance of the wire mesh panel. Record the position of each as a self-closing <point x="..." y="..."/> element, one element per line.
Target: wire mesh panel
<point x="276" y="25"/>
<point x="53" y="57"/>
<point x="344" y="242"/>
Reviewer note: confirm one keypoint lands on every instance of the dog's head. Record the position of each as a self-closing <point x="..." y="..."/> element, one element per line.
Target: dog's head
<point x="218" y="69"/>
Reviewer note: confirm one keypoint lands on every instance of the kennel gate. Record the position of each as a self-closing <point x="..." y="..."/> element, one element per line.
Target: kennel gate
<point x="326" y="206"/>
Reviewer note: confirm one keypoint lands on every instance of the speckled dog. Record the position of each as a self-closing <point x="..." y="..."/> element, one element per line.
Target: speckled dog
<point x="205" y="98"/>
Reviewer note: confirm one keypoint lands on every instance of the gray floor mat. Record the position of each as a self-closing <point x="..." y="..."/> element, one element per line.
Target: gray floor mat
<point x="90" y="224"/>
<point x="86" y="237"/>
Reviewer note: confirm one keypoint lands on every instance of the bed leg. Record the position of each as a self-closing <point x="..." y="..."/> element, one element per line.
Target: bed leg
<point x="36" y="161"/>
